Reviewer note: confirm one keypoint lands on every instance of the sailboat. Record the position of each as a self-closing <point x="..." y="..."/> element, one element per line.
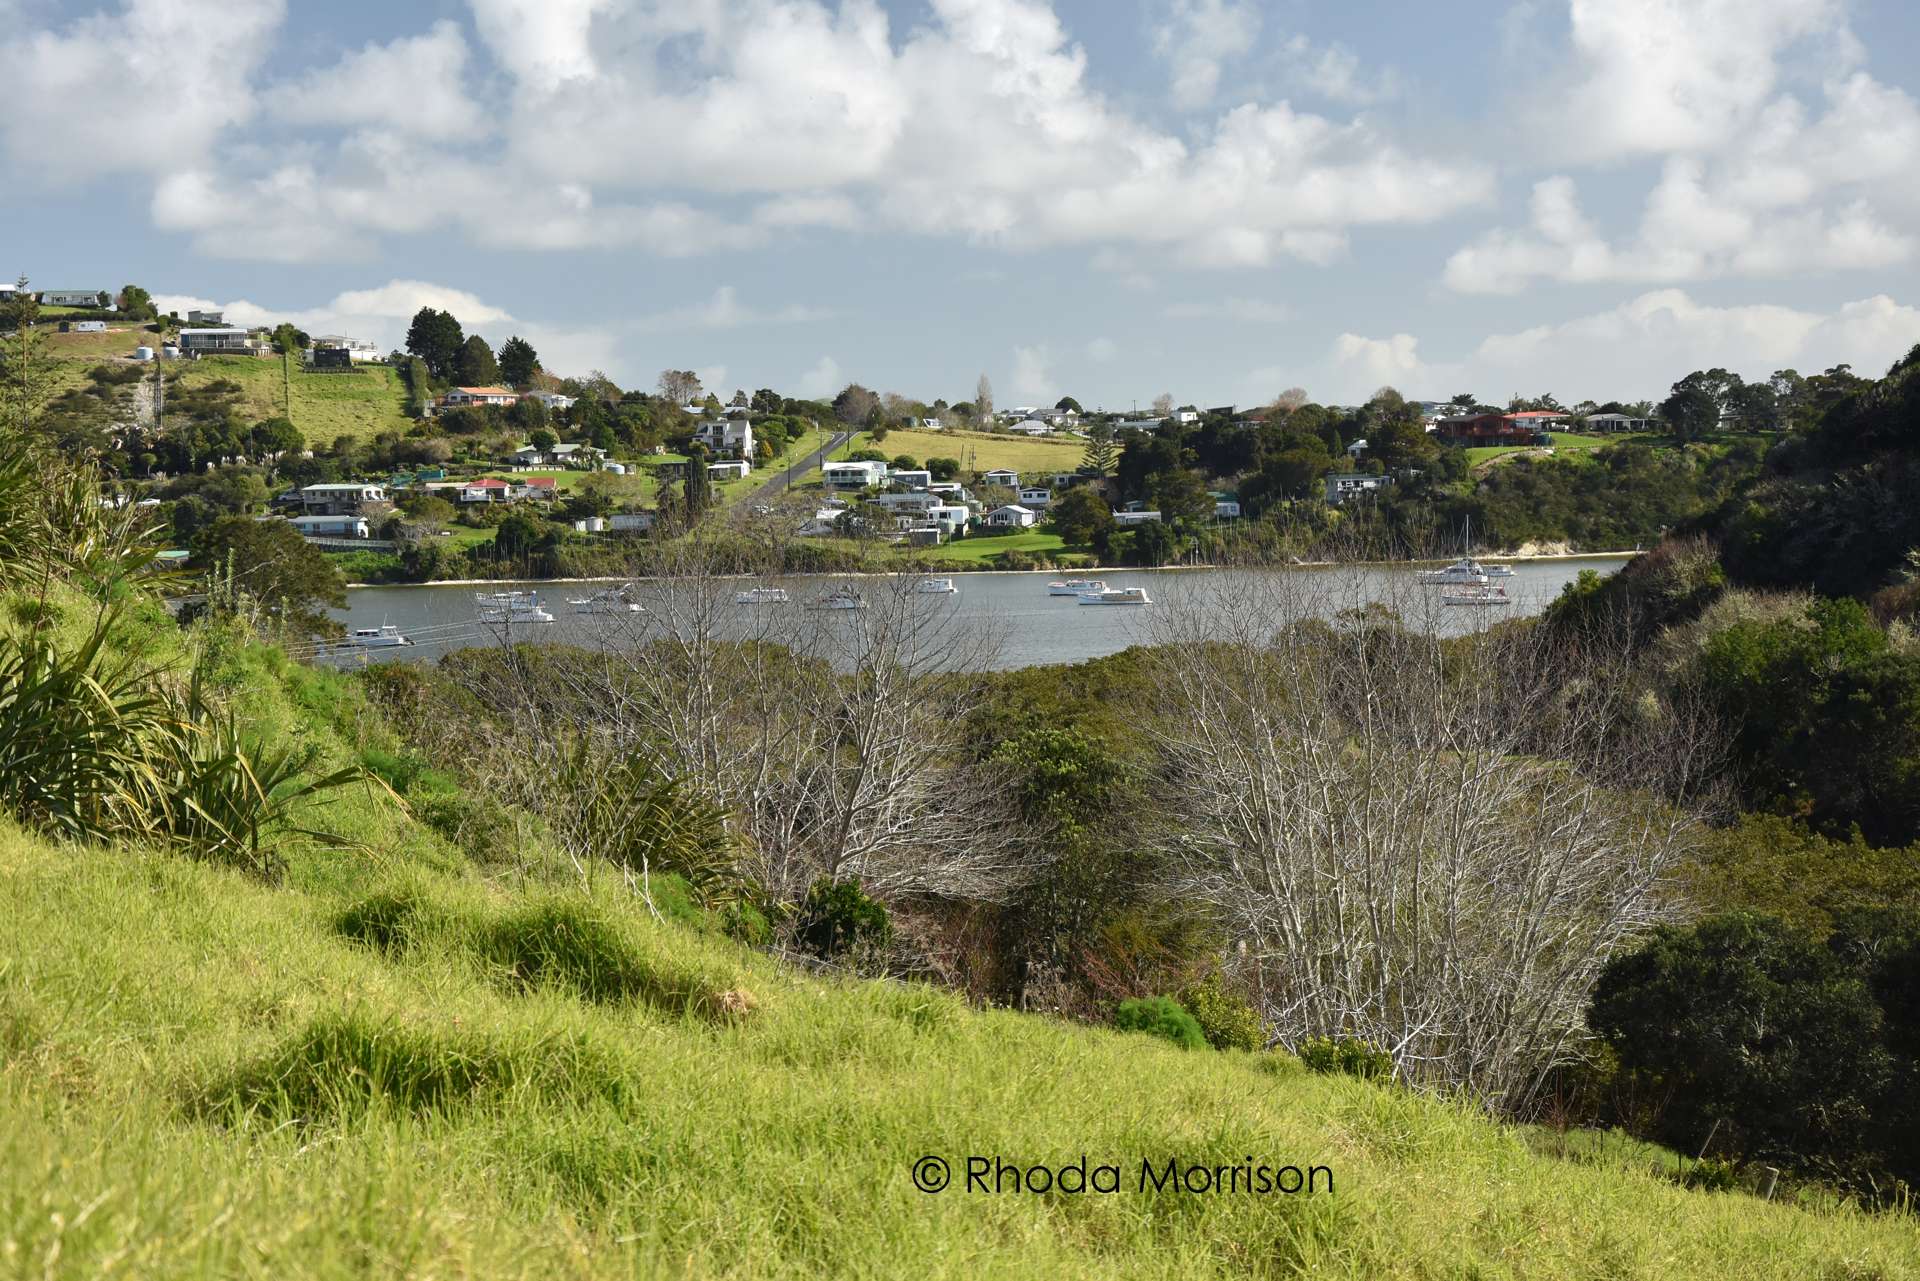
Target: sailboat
<point x="1465" y="571"/>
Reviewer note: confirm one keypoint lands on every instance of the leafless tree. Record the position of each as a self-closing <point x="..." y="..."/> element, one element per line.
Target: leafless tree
<point x="1430" y="843"/>
<point x="1163" y="404"/>
<point x="983" y="399"/>
<point x="680" y="386"/>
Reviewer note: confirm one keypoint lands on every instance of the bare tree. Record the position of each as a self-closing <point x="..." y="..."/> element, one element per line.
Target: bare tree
<point x="1431" y="844"/>
<point x="983" y="399"/>
<point x="1290" y="399"/>
<point x="1163" y="404"/>
<point x="681" y="386"/>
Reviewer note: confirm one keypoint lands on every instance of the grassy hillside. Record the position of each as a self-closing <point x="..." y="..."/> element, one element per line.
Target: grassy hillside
<point x="981" y="451"/>
<point x="324" y="406"/>
<point x="208" y="1076"/>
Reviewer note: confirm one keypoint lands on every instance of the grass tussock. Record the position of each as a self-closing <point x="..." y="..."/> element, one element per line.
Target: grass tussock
<point x="564" y="943"/>
<point x="340" y="1065"/>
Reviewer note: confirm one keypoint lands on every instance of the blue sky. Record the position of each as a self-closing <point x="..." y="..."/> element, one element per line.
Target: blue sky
<point x="1213" y="198"/>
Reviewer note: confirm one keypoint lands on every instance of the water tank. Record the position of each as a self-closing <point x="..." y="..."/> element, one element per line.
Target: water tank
<point x="143" y="353"/>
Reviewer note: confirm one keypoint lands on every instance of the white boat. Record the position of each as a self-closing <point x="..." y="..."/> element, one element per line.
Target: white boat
<point x="1480" y="595"/>
<point x="1075" y="587"/>
<point x="511" y="607"/>
<point x="761" y="596"/>
<point x="385" y="636"/>
<point x="1465" y="571"/>
<point x="840" y="598"/>
<point x="935" y="587"/>
<point x="614" y="600"/>
<point x="1116" y="596"/>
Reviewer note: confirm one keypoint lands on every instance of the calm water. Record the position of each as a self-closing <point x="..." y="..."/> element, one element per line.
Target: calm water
<point x="1033" y="628"/>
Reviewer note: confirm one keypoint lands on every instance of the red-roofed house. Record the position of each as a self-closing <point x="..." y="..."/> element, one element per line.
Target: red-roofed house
<point x="486" y="490"/>
<point x="536" y="487"/>
<point x="1496" y="429"/>
<point x="461" y="396"/>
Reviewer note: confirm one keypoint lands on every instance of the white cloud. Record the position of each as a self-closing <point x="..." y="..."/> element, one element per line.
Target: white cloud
<point x="605" y="126"/>
<point x="713" y="378"/>
<point x="1032" y="375"/>
<point x="379" y="315"/>
<point x="725" y="311"/>
<point x="144" y="90"/>
<point x="1333" y="72"/>
<point x="1256" y="311"/>
<point x="821" y="381"/>
<point x="1196" y="38"/>
<point x="1102" y="351"/>
<point x="413" y="85"/>
<point x="1637" y="349"/>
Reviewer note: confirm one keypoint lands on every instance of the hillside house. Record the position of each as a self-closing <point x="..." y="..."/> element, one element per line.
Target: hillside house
<point x="75" y="298"/>
<point x="731" y="469"/>
<point x="342" y="498"/>
<point x="1127" y="520"/>
<point x="460" y="397"/>
<point x="1343" y="486"/>
<point x="949" y="518"/>
<point x="914" y="502"/>
<point x="553" y="400"/>
<point x="332" y="526"/>
<point x="539" y="488"/>
<point x="909" y="478"/>
<point x="327" y="350"/>
<point x="1496" y="429"/>
<point x="486" y="490"/>
<point x="630" y="522"/>
<point x="726" y="437"/>
<point x="1226" y="507"/>
<point x="225" y="341"/>
<point x="852" y="477"/>
<point x="1003" y="477"/>
<point x="1012" y="516"/>
<point x="210" y="319"/>
<point x="1036" y="497"/>
<point x="1618" y="422"/>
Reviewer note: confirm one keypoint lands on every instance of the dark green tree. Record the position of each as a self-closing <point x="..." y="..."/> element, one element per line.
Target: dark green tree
<point x="436" y="338"/>
<point x="267" y="561"/>
<point x="1102" y="451"/>
<point x="475" y="365"/>
<point x="1080" y="514"/>
<point x="518" y="361"/>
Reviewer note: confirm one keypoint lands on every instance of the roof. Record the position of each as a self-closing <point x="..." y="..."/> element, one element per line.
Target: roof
<point x="539" y="482"/>
<point x="1012" y="507"/>
<point x="226" y="329"/>
<point x="487" y="482"/>
<point x="343" y="484"/>
<point x="487" y="391"/>
<point x="1535" y="413"/>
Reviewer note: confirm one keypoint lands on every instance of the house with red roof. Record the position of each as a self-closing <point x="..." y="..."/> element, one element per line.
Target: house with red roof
<point x="460" y="397"/>
<point x="1520" y="428"/>
<point x="486" y="490"/>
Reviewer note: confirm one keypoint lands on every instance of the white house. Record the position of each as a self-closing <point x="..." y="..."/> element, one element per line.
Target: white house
<point x="73" y="297"/>
<point x="357" y="352"/>
<point x="1126" y="520"/>
<point x="331" y="526"/>
<point x="1012" y="516"/>
<point x="340" y="499"/>
<point x="914" y="501"/>
<point x="1618" y="422"/>
<point x="487" y="489"/>
<point x="553" y="400"/>
<point x="851" y="477"/>
<point x="1001" y="476"/>
<point x="1032" y="427"/>
<point x="950" y="518"/>
<point x="1036" y="497"/>
<point x="729" y="470"/>
<point x="212" y="319"/>
<point x="1357" y="448"/>
<point x="910" y="478"/>
<point x="1342" y="486"/>
<point x="1226" y="509"/>
<point x="730" y="436"/>
<point x="228" y="340"/>
<point x="1186" y="415"/>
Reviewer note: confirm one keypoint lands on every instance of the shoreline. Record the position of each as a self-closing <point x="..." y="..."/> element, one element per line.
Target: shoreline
<point x="1544" y="557"/>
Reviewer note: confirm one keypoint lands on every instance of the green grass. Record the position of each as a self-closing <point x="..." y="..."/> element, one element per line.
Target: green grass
<point x="979" y="451"/>
<point x="984" y="547"/>
<point x="406" y="1060"/>
<point x="324" y="406"/>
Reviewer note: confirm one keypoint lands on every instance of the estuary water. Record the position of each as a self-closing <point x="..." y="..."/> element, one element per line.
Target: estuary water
<point x="1032" y="627"/>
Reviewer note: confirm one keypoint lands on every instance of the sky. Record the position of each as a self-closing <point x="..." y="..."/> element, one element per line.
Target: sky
<point x="1108" y="199"/>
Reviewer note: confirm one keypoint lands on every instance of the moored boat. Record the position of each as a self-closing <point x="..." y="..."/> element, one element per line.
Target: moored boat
<point x="385" y="636"/>
<point x="1483" y="594"/>
<point x="614" y="600"/>
<point x="841" y="598"/>
<point x="935" y="587"/>
<point x="511" y="607"/>
<point x="761" y="596"/>
<point x="1075" y="587"/>
<point x="1116" y="596"/>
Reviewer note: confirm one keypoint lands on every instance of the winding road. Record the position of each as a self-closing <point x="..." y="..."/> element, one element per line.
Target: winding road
<point x="800" y="467"/>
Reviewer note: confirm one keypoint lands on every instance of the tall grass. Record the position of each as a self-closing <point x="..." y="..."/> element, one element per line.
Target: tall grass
<point x="204" y="1077"/>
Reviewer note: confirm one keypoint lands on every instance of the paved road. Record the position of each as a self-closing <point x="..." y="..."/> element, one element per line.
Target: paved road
<point x="775" y="487"/>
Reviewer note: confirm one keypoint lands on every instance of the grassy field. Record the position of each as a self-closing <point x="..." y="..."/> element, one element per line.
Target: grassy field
<point x="324" y="406"/>
<point x="980" y="451"/>
<point x="985" y="547"/>
<point x="418" y="1059"/>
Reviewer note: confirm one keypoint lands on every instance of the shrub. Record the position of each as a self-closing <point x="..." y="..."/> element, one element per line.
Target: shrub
<point x="1160" y="1016"/>
<point x="838" y="917"/>
<point x="1228" y="1021"/>
<point x="1347" y="1056"/>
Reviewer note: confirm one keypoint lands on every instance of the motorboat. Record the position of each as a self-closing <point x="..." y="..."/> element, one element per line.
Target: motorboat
<point x="613" y="600"/>
<point x="761" y="596"/>
<point x="511" y="607"/>
<point x="841" y="598"/>
<point x="1483" y="594"/>
<point x="1075" y="587"/>
<point x="1116" y="596"/>
<point x="385" y="636"/>
<point x="935" y="587"/>
<point x="1464" y="571"/>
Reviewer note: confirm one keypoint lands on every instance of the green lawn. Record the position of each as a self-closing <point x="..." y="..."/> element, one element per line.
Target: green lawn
<point x="984" y="547"/>
<point x="980" y="451"/>
<point x="325" y="406"/>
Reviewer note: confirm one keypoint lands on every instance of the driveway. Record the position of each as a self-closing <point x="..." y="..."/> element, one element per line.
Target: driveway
<point x="799" y="467"/>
